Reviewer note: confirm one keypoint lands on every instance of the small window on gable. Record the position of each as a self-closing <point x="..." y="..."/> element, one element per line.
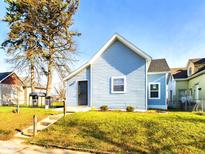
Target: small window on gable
<point x="154" y="90"/>
<point x="118" y="84"/>
<point x="190" y="71"/>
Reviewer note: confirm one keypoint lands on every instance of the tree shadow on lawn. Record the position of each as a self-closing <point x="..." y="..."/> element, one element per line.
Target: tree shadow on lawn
<point x="152" y="128"/>
<point x="182" y="148"/>
<point x="170" y="147"/>
<point x="103" y="137"/>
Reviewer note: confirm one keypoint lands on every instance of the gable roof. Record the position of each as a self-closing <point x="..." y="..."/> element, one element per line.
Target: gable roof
<point x="159" y="65"/>
<point x="198" y="60"/>
<point x="201" y="69"/>
<point x="105" y="47"/>
<point x="179" y="73"/>
<point x="4" y="75"/>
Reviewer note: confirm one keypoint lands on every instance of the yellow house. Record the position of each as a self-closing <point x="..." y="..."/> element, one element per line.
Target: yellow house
<point x="190" y="82"/>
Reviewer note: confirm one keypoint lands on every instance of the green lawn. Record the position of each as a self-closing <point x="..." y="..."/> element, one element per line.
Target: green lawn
<point x="121" y="132"/>
<point x="10" y="121"/>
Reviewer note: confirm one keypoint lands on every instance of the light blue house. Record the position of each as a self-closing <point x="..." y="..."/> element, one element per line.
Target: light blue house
<point x="120" y="75"/>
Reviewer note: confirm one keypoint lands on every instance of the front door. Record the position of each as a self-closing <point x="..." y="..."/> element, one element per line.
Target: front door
<point x="82" y="92"/>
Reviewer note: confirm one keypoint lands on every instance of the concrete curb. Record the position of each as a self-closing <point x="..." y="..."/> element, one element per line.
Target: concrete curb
<point x="72" y="148"/>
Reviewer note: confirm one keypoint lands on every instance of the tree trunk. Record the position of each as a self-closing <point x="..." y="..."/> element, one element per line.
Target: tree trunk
<point x="32" y="78"/>
<point x="49" y="80"/>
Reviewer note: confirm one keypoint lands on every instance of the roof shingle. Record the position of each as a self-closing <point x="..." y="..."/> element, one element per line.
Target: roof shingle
<point x="158" y="65"/>
<point x="179" y="73"/>
<point x="4" y="74"/>
<point x="198" y="60"/>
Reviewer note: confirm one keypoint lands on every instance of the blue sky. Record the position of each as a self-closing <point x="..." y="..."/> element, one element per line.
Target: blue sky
<point x="171" y="29"/>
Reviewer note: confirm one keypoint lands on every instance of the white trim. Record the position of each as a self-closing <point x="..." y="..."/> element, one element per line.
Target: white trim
<point x="81" y="80"/>
<point x="107" y="45"/>
<point x="91" y="85"/>
<point x="159" y="90"/>
<point x="158" y="107"/>
<point x="196" y="93"/>
<point x="182" y="79"/>
<point x="76" y="71"/>
<point x="125" y="84"/>
<point x="166" y="88"/>
<point x="146" y="92"/>
<point x="158" y="72"/>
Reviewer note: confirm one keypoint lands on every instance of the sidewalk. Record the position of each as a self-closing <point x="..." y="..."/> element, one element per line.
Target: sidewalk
<point x="16" y="146"/>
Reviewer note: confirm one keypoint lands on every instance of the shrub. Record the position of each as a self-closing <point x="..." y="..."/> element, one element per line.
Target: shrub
<point x="57" y="104"/>
<point x="200" y="113"/>
<point x="130" y="109"/>
<point x="104" y="108"/>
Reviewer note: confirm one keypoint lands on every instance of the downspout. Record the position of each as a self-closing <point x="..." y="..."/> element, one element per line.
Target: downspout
<point x="90" y="102"/>
<point x="1" y="95"/>
<point x="146" y="101"/>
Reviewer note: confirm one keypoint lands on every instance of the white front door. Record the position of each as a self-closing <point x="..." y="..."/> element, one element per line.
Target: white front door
<point x="197" y="92"/>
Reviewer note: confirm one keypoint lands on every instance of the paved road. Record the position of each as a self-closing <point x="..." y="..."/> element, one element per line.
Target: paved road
<point x="16" y="146"/>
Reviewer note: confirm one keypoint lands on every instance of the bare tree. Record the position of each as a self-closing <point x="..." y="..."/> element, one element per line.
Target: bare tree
<point x="54" y="22"/>
<point x="61" y="92"/>
<point x="41" y="37"/>
<point x="22" y="45"/>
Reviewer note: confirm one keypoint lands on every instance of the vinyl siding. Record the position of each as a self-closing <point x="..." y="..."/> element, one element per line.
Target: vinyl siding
<point x="180" y="85"/>
<point x="200" y="80"/>
<point x="158" y="103"/>
<point x="72" y="87"/>
<point x="118" y="60"/>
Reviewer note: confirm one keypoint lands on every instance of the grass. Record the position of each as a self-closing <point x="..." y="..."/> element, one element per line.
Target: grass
<point x="10" y="122"/>
<point x="121" y="132"/>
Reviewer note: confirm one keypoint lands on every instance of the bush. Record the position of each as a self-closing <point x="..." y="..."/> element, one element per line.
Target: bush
<point x="57" y="104"/>
<point x="130" y="109"/>
<point x="200" y="113"/>
<point x="104" y="108"/>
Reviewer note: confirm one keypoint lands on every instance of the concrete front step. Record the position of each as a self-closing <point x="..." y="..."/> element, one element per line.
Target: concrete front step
<point x="45" y="123"/>
<point x="41" y="125"/>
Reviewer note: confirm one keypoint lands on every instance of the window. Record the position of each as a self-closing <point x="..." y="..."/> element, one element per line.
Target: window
<point x="154" y="90"/>
<point x="118" y="84"/>
<point x="190" y="71"/>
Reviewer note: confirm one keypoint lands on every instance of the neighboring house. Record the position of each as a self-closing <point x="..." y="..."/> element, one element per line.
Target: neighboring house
<point x="159" y="72"/>
<point x="15" y="90"/>
<point x="120" y="75"/>
<point x="11" y="89"/>
<point x="39" y="90"/>
<point x="189" y="81"/>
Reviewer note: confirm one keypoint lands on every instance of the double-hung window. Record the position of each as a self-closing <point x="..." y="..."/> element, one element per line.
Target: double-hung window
<point x="154" y="90"/>
<point x="118" y="84"/>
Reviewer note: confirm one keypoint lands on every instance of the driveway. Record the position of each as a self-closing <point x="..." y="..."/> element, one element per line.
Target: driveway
<point x="16" y="146"/>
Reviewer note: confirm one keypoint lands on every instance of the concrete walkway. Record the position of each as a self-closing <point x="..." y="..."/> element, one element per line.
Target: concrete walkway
<point x="41" y="125"/>
<point x="16" y="146"/>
